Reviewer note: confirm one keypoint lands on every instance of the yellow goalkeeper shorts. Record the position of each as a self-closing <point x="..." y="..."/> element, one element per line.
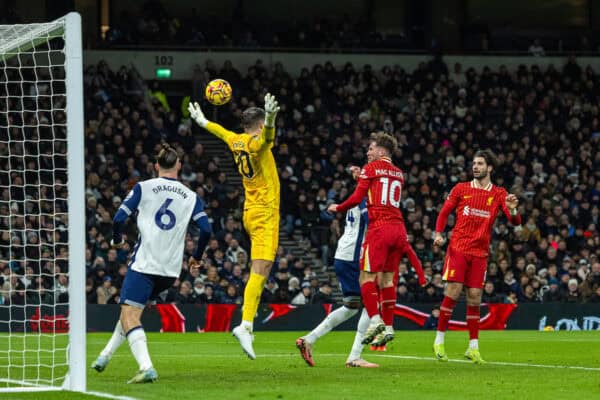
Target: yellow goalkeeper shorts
<point x="262" y="225"/>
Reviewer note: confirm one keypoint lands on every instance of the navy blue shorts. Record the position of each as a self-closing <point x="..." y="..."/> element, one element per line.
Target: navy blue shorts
<point x="139" y="288"/>
<point x="347" y="273"/>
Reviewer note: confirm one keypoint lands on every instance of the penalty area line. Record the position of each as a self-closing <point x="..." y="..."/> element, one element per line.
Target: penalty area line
<point x="507" y="364"/>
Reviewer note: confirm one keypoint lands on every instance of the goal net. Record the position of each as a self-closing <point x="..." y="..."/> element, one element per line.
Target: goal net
<point x="42" y="259"/>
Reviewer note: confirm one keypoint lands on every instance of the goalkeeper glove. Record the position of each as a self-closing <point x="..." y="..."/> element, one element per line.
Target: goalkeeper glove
<point x="271" y="110"/>
<point x="197" y="114"/>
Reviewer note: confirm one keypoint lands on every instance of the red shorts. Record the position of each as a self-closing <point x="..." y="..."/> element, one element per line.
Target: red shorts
<point x="464" y="268"/>
<point x="383" y="248"/>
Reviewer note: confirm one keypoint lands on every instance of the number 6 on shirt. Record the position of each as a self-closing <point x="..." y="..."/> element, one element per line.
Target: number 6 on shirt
<point x="162" y="211"/>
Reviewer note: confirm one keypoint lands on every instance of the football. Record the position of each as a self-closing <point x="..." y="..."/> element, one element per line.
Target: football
<point x="218" y="92"/>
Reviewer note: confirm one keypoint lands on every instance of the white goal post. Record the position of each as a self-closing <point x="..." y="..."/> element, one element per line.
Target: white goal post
<point x="42" y="207"/>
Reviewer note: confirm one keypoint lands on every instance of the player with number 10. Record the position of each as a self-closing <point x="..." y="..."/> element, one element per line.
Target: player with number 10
<point x="380" y="181"/>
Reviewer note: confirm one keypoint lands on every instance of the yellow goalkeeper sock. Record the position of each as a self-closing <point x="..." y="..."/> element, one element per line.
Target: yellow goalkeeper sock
<point x="254" y="289"/>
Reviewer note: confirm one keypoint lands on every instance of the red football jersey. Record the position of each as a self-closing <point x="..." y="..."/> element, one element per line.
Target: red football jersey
<point x="381" y="182"/>
<point x="476" y="212"/>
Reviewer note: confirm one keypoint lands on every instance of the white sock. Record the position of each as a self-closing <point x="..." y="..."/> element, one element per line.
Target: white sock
<point x="376" y="319"/>
<point x="248" y="325"/>
<point x="139" y="348"/>
<point x="116" y="340"/>
<point x="357" y="346"/>
<point x="389" y="329"/>
<point x="474" y="344"/>
<point x="439" y="337"/>
<point x="334" y="318"/>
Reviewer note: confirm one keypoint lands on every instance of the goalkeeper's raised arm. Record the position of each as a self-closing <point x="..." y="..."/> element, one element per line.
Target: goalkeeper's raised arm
<point x="267" y="134"/>
<point x="197" y="115"/>
<point x="264" y="131"/>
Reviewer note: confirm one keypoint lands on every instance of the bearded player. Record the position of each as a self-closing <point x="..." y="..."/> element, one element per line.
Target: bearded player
<point x="255" y="162"/>
<point x="477" y="205"/>
<point x="386" y="240"/>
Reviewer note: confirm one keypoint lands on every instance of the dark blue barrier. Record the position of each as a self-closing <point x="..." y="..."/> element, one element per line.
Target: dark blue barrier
<point x="193" y="318"/>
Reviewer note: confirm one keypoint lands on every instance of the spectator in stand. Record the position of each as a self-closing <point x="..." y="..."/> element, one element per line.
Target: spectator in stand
<point x="489" y="294"/>
<point x="432" y="320"/>
<point x="105" y="293"/>
<point x="305" y="295"/>
<point x="323" y="296"/>
<point x="553" y="294"/>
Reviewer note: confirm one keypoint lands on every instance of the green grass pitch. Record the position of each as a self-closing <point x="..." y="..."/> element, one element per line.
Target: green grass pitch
<point x="521" y="365"/>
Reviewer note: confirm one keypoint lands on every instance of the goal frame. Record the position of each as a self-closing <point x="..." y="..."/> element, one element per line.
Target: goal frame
<point x="75" y="379"/>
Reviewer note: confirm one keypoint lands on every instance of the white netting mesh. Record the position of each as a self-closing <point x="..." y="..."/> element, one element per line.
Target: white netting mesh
<point x="33" y="206"/>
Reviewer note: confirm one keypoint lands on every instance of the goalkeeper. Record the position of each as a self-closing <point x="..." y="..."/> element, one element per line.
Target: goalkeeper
<point x="256" y="164"/>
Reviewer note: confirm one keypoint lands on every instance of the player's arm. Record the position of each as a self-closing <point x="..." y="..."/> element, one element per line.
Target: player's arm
<point x="440" y="224"/>
<point x="128" y="207"/>
<point x="214" y="128"/>
<point x="359" y="194"/>
<point x="416" y="264"/>
<point x="199" y="216"/>
<point x="267" y="136"/>
<point x="509" y="207"/>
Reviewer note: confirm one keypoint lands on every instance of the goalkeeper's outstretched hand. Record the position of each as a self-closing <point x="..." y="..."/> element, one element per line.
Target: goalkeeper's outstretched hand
<point x="197" y="114"/>
<point x="271" y="110"/>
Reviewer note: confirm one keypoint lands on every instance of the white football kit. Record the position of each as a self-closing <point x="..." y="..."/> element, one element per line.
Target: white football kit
<point x="165" y="207"/>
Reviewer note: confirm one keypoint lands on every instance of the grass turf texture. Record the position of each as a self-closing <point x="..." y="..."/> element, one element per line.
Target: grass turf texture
<point x="212" y="366"/>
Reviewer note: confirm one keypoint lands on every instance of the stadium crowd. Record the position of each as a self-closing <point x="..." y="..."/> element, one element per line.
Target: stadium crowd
<point x="542" y="123"/>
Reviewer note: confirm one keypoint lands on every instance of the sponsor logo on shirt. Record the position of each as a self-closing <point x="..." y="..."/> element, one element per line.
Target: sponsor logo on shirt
<point x="475" y="212"/>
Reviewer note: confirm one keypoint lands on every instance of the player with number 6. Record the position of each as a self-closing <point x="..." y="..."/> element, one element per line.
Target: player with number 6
<point x="163" y="208"/>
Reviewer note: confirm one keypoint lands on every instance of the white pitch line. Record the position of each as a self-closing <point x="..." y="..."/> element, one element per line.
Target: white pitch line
<point x="291" y="354"/>
<point x="509" y="364"/>
<point x="109" y="396"/>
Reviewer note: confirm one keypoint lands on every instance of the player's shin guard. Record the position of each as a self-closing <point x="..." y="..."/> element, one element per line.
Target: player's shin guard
<point x="473" y="322"/>
<point x="446" y="309"/>
<point x="254" y="289"/>
<point x="137" y="342"/>
<point x="370" y="298"/>
<point x="388" y="304"/>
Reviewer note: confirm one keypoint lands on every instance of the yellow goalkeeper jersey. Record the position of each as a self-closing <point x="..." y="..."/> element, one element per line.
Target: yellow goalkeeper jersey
<point x="255" y="162"/>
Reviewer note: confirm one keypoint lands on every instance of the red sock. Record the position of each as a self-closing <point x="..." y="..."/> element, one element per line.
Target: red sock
<point x="445" y="313"/>
<point x="388" y="303"/>
<point x="370" y="298"/>
<point x="473" y="321"/>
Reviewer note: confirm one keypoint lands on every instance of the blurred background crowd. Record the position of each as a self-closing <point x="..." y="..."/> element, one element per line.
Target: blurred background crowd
<point x="542" y="124"/>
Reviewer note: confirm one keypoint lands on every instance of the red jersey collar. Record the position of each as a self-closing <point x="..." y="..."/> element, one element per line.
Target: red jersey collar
<point x="487" y="188"/>
<point x="386" y="159"/>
